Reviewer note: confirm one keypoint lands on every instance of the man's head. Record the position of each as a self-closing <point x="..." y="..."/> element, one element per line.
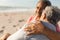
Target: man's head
<point x="51" y="15"/>
<point x="41" y="6"/>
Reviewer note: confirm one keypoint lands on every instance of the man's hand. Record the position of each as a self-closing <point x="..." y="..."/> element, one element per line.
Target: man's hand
<point x="35" y="28"/>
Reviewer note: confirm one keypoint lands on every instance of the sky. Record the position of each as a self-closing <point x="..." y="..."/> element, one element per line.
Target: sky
<point x="25" y="3"/>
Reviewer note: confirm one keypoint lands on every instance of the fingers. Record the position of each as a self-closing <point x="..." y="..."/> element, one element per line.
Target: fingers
<point x="27" y="30"/>
<point x="36" y="28"/>
<point x="30" y="33"/>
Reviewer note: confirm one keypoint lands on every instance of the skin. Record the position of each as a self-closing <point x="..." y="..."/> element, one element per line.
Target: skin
<point x="5" y="36"/>
<point x="39" y="8"/>
<point x="42" y="30"/>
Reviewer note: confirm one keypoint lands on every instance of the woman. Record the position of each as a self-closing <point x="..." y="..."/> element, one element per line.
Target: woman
<point x="39" y="8"/>
<point x="19" y="35"/>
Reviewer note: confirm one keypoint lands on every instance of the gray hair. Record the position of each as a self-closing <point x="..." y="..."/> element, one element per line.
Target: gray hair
<point x="52" y="14"/>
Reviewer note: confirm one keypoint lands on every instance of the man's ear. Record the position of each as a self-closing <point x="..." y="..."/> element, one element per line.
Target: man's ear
<point x="44" y="16"/>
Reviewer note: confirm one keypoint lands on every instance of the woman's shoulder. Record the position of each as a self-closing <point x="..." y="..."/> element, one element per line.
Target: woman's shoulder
<point x="30" y="18"/>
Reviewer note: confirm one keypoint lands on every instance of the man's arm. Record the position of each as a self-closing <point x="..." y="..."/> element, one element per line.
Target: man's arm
<point x="51" y="34"/>
<point x="38" y="28"/>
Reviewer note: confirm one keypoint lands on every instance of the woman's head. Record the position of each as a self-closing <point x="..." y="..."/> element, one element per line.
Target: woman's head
<point x="41" y="6"/>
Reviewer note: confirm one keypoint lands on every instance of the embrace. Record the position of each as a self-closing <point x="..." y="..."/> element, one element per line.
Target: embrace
<point x="44" y="25"/>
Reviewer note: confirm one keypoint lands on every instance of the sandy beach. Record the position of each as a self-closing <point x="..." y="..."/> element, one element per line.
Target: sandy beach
<point x="10" y="22"/>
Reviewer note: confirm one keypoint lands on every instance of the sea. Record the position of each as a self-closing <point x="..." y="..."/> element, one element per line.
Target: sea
<point x="14" y="9"/>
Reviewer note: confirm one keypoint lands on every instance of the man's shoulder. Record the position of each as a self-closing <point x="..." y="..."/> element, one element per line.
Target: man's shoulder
<point x="49" y="25"/>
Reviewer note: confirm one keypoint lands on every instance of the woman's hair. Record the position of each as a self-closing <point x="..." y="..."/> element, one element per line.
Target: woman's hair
<point x="46" y="2"/>
<point x="52" y="15"/>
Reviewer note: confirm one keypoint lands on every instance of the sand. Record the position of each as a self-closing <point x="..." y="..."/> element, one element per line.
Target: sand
<point x="10" y="22"/>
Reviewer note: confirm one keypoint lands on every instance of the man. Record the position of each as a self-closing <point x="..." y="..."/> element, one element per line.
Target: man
<point x="49" y="17"/>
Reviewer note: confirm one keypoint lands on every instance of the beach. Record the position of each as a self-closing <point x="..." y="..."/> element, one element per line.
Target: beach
<point x="12" y="21"/>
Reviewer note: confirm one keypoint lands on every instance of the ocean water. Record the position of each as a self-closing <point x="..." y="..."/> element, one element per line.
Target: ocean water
<point x="12" y="9"/>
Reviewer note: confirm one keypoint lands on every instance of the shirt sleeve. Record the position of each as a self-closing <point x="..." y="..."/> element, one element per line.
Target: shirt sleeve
<point x="49" y="25"/>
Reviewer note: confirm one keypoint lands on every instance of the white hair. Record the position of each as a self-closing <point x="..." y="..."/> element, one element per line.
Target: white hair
<point x="52" y="14"/>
